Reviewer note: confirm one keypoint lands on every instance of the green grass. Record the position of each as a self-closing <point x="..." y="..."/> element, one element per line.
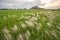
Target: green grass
<point x="29" y="24"/>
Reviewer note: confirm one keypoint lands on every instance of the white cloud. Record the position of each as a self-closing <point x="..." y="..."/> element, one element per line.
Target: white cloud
<point x="31" y="0"/>
<point x="50" y="4"/>
<point x="7" y="4"/>
<point x="24" y="0"/>
<point x="45" y="1"/>
<point x="18" y="0"/>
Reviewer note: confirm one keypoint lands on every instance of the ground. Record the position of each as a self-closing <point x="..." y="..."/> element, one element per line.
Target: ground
<point x="30" y="24"/>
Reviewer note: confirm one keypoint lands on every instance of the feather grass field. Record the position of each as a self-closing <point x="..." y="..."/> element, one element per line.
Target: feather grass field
<point x="29" y="24"/>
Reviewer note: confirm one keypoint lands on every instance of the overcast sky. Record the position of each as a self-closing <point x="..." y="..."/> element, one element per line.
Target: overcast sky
<point x="50" y="4"/>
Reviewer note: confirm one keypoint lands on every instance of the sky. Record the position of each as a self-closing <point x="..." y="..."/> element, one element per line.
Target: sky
<point x="15" y="4"/>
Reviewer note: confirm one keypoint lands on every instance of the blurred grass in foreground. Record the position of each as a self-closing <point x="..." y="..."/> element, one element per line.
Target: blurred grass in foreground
<point x="29" y="24"/>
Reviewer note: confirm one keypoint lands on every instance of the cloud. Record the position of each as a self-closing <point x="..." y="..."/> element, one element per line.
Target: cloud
<point x="18" y="0"/>
<point x="7" y="4"/>
<point x="17" y="3"/>
<point x="49" y="4"/>
<point x="31" y="0"/>
<point x="24" y="0"/>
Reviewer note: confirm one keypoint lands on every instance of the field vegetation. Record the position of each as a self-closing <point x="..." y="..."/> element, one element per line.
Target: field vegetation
<point x="30" y="24"/>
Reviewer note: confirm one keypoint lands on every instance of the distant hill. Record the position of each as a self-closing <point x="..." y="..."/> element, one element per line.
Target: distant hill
<point x="36" y="7"/>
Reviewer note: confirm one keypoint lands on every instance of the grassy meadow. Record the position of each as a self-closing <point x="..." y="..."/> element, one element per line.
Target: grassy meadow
<point x="30" y="24"/>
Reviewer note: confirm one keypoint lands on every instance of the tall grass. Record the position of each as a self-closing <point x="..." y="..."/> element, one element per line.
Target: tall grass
<point x="29" y="25"/>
